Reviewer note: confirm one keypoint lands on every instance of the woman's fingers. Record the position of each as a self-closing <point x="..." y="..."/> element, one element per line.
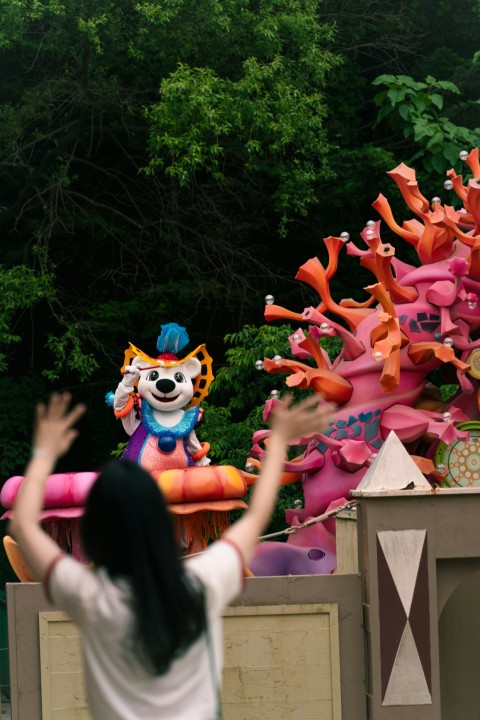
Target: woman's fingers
<point x="57" y="409"/>
<point x="75" y="413"/>
<point x="40" y="411"/>
<point x="56" y="412"/>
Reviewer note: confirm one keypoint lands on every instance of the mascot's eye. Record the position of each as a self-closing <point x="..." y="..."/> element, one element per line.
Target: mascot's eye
<point x="179" y="377"/>
<point x="153" y="375"/>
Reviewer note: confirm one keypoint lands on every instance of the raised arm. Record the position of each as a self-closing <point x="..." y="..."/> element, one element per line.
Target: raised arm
<point x="288" y="423"/>
<point x="52" y="437"/>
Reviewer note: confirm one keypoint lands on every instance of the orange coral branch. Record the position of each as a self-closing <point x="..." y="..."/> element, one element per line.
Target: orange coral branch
<point x="422" y="351"/>
<point x="388" y="346"/>
<point x="276" y="312"/>
<point x="450" y="220"/>
<point x="458" y="185"/>
<point x="397" y="292"/>
<point x="313" y="273"/>
<point x="473" y="201"/>
<point x="473" y="162"/>
<point x="383" y="208"/>
<point x="406" y="181"/>
<point x="391" y="371"/>
<point x="312" y="347"/>
<point x="332" y="387"/>
<point x="350" y="303"/>
<point x="380" y="264"/>
<point x="378" y="291"/>
<point x="333" y="245"/>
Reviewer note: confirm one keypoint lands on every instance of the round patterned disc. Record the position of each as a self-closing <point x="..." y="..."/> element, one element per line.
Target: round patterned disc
<point x="474" y="362"/>
<point x="462" y="457"/>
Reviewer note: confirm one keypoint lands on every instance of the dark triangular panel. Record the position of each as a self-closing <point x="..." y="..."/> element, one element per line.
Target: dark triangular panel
<point x="392" y="617"/>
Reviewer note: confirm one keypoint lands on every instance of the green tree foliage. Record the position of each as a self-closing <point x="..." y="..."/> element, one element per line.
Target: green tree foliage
<point x="431" y="101"/>
<point x="259" y="116"/>
<point x="415" y="110"/>
<point x="20" y="288"/>
<point x="146" y="148"/>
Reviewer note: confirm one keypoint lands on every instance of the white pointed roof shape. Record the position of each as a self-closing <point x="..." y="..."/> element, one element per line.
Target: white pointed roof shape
<point x="393" y="470"/>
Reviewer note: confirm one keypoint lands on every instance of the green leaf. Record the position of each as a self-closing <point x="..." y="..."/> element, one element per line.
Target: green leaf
<point x="436" y="100"/>
<point x="438" y="162"/>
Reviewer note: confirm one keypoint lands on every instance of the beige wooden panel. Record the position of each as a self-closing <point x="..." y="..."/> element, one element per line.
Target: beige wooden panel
<point x="61" y="669"/>
<point x="347" y="542"/>
<point x="282" y="663"/>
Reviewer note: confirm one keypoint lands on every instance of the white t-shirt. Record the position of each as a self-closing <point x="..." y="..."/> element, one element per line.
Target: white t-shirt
<point x="118" y="686"/>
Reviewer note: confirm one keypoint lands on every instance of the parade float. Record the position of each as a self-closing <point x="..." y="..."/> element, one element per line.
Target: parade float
<point x="416" y="319"/>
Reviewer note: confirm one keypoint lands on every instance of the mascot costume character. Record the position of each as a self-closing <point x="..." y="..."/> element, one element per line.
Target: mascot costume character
<point x="162" y="434"/>
<point x="158" y="403"/>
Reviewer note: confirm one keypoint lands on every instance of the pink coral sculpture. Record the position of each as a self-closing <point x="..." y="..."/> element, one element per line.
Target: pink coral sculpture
<point x="414" y="319"/>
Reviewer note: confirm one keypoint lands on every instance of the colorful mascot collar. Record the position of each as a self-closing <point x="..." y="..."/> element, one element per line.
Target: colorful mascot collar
<point x="167" y="437"/>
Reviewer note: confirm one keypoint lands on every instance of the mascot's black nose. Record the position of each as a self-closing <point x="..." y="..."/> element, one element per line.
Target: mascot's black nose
<point x="165" y="385"/>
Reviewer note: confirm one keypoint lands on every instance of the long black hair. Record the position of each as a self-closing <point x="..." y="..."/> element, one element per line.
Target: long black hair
<point x="128" y="530"/>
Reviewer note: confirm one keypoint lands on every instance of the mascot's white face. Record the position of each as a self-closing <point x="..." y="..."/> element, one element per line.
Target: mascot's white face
<point x="167" y="388"/>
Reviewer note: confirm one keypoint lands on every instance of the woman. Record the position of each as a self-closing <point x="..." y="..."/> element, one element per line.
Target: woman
<point x="151" y="623"/>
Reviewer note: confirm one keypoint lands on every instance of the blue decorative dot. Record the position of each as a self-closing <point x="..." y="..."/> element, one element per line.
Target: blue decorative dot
<point x="166" y="443"/>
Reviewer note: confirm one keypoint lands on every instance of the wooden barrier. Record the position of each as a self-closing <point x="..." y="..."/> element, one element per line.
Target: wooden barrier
<point x="299" y="659"/>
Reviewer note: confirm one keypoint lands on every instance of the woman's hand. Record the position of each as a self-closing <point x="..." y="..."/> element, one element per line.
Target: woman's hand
<point x="306" y="418"/>
<point x="312" y="416"/>
<point x="52" y="436"/>
<point x="53" y="432"/>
